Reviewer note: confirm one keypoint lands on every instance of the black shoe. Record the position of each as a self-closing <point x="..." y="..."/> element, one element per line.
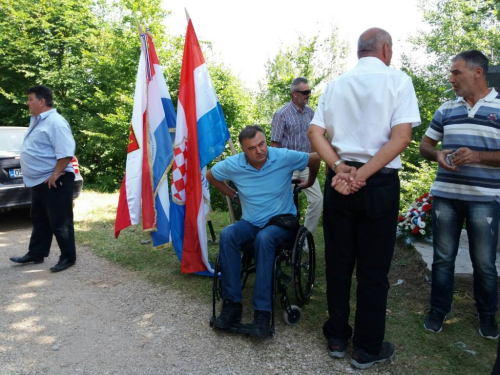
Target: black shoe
<point x="62" y="265"/>
<point x="434" y="321"/>
<point x="261" y="324"/>
<point x="26" y="259"/>
<point x="336" y="347"/>
<point x="488" y="326"/>
<point x="230" y="314"/>
<point x="361" y="359"/>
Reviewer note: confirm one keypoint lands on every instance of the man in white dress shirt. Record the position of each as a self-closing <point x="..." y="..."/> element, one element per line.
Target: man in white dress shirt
<point x="368" y="114"/>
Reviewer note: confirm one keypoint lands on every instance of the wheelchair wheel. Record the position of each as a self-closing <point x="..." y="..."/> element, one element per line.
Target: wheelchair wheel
<point x="293" y="317"/>
<point x="303" y="265"/>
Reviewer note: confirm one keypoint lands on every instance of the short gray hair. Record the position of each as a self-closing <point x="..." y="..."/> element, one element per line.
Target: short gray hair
<point x="296" y="82"/>
<point x="473" y="59"/>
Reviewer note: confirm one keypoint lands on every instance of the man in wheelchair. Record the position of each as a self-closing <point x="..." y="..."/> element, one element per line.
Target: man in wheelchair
<point x="262" y="176"/>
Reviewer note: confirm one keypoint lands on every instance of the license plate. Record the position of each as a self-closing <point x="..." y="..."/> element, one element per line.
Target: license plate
<point x="15" y="173"/>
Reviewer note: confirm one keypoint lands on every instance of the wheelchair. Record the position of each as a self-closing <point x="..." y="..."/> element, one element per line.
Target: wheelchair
<point x="294" y="269"/>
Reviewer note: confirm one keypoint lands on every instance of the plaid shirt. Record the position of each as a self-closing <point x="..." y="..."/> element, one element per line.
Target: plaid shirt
<point x="290" y="126"/>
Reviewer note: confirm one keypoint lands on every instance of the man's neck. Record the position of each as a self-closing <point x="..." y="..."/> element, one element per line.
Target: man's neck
<point x="43" y="110"/>
<point x="301" y="107"/>
<point x="475" y="97"/>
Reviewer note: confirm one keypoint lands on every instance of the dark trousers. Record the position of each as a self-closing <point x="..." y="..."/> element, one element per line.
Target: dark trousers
<point x="360" y="230"/>
<point x="52" y="215"/>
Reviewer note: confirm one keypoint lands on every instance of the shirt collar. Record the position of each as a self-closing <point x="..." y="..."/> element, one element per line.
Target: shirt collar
<point x="369" y="60"/>
<point x="45" y="114"/>
<point x="488" y="98"/>
<point x="296" y="107"/>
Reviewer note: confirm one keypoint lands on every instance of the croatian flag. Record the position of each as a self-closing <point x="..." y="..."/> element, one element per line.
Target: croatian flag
<point x="201" y="136"/>
<point x="150" y="152"/>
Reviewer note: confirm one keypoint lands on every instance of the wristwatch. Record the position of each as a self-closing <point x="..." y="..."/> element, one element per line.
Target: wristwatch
<point x="336" y="164"/>
<point x="235" y="197"/>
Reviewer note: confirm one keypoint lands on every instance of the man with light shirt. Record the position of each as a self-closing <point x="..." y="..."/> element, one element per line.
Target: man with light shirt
<point x="289" y="130"/>
<point x="46" y="153"/>
<point x="368" y="114"/>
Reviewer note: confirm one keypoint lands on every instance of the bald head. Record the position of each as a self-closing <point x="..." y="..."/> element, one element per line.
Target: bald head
<point x="375" y="42"/>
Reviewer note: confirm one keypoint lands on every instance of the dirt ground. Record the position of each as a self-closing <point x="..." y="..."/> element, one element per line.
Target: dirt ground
<point x="98" y="318"/>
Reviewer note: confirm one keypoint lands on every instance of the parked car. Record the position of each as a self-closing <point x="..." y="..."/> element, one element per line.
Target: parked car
<point x="13" y="193"/>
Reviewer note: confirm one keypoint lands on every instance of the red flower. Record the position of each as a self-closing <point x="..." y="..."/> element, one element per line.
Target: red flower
<point x="424" y="196"/>
<point x="427" y="207"/>
<point x="401" y="218"/>
<point x="415" y="230"/>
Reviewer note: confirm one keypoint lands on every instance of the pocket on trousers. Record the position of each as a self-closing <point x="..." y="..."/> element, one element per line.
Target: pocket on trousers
<point x="381" y="201"/>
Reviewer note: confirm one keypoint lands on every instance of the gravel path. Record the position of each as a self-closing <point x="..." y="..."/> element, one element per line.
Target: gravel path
<point x="98" y="318"/>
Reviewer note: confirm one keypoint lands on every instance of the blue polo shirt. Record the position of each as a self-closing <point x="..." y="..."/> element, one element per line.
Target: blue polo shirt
<point x="47" y="141"/>
<point x="266" y="192"/>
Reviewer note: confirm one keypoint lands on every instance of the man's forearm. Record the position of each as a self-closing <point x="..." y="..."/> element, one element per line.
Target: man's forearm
<point x="428" y="151"/>
<point x="491" y="158"/>
<point x="61" y="165"/>
<point x="314" y="164"/>
<point x="321" y="145"/>
<point x="220" y="185"/>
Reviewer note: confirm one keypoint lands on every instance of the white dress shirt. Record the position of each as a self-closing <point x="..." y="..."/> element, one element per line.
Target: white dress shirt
<point x="360" y="107"/>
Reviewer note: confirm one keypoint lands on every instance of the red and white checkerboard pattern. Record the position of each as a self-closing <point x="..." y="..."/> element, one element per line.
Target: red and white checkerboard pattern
<point x="179" y="173"/>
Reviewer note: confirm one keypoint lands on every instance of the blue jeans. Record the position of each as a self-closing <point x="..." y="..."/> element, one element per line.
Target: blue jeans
<point x="265" y="242"/>
<point x="481" y="218"/>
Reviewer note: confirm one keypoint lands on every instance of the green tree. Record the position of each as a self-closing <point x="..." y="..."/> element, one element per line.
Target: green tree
<point x="317" y="59"/>
<point x="88" y="51"/>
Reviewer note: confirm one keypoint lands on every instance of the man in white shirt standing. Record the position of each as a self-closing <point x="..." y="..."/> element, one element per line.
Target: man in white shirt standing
<point x="368" y="114"/>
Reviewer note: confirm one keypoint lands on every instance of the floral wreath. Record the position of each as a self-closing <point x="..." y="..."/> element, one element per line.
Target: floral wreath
<point x="417" y="219"/>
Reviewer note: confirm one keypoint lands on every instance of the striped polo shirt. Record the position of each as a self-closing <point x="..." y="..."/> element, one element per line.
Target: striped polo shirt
<point x="456" y="124"/>
<point x="290" y="126"/>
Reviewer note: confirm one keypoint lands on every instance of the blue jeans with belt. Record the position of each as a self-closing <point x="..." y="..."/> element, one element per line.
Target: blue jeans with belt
<point x="481" y="220"/>
<point x="265" y="241"/>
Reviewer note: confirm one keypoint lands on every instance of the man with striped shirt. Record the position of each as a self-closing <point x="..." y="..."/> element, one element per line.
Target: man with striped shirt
<point x="289" y="130"/>
<point x="467" y="188"/>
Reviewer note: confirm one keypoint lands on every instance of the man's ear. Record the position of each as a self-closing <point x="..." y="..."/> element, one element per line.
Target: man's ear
<point x="478" y="72"/>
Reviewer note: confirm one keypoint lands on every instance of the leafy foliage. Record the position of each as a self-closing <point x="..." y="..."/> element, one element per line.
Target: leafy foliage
<point x="318" y="60"/>
<point x="87" y="51"/>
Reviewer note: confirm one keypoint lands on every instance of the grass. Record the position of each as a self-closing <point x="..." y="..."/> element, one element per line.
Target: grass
<point x="418" y="351"/>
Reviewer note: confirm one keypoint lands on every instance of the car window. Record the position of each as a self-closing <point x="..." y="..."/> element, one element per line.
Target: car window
<point x="11" y="141"/>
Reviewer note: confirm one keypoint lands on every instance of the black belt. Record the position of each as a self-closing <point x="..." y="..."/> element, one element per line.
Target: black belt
<point x="384" y="170"/>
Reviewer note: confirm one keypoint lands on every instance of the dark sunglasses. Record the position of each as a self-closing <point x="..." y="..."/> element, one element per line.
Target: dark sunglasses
<point x="304" y="92"/>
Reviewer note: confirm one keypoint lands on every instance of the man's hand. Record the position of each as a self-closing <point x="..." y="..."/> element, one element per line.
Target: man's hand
<point x="51" y="181"/>
<point x="441" y="159"/>
<point x="346" y="181"/>
<point x="464" y="156"/>
<point x="303" y="184"/>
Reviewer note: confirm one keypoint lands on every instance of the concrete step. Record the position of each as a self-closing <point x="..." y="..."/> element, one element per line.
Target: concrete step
<point x="463" y="265"/>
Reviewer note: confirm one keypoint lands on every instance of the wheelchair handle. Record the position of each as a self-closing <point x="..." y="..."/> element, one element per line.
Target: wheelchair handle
<point x="296" y="188"/>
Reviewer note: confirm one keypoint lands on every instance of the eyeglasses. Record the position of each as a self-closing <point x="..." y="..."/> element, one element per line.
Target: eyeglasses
<point x="304" y="92"/>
